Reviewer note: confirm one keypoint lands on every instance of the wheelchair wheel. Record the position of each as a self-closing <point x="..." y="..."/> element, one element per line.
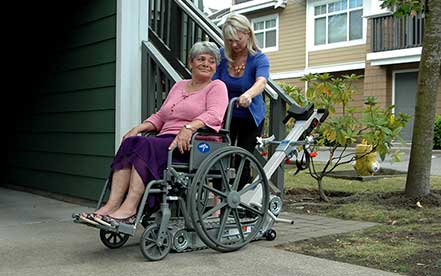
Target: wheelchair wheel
<point x="239" y="222"/>
<point x="113" y="240"/>
<point x="152" y="247"/>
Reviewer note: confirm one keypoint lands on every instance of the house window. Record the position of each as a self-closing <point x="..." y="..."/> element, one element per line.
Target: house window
<point x="338" y="21"/>
<point x="266" y="31"/>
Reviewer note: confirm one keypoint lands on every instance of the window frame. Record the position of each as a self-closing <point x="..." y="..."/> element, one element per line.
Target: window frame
<point x="310" y="26"/>
<point x="276" y="28"/>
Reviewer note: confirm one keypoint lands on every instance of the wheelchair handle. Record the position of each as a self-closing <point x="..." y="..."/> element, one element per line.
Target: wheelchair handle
<point x="229" y="114"/>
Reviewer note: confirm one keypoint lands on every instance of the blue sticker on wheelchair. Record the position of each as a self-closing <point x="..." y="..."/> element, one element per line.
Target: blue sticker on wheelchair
<point x="204" y="147"/>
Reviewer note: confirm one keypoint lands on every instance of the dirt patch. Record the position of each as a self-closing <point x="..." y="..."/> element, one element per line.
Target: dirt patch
<point x="399" y="199"/>
<point x="352" y="174"/>
<point x="308" y="200"/>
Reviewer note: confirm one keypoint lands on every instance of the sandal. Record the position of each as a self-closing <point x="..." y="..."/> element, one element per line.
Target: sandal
<point x="117" y="221"/>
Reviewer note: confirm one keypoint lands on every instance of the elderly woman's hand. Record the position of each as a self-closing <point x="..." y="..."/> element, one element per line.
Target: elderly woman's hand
<point x="182" y="140"/>
<point x="132" y="132"/>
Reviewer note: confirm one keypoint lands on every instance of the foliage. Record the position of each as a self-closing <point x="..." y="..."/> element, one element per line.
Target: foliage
<point x="404" y="7"/>
<point x="373" y="125"/>
<point x="437" y="133"/>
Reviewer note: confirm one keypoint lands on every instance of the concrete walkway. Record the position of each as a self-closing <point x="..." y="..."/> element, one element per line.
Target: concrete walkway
<point x="37" y="237"/>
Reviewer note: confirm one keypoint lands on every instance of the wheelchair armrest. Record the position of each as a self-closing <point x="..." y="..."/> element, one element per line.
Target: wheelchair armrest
<point x="149" y="133"/>
<point x="207" y="130"/>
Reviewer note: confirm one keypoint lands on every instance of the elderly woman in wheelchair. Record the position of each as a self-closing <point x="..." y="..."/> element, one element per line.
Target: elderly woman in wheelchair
<point x="191" y="172"/>
<point x="190" y="105"/>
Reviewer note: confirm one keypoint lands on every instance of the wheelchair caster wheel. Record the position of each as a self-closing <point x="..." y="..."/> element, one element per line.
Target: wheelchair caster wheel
<point x="270" y="235"/>
<point x="154" y="247"/>
<point x="113" y="240"/>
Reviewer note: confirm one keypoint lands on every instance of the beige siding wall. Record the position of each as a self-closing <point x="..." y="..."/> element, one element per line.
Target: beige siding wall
<point x="295" y="81"/>
<point x="337" y="56"/>
<point x="377" y="84"/>
<point x="292" y="40"/>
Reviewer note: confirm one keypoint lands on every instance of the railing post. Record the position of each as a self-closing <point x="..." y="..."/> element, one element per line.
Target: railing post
<point x="175" y="23"/>
<point x="276" y="127"/>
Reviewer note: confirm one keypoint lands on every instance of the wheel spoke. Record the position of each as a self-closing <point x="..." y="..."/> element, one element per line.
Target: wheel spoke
<point x="236" y="216"/>
<point x="222" y="223"/>
<point x="224" y="176"/>
<point x="251" y="209"/>
<point x="150" y="239"/>
<point x="238" y="174"/>
<point x="213" y="190"/>
<point x="214" y="209"/>
<point x="149" y="246"/>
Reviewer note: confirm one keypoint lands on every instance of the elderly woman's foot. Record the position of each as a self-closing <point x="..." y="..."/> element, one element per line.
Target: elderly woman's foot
<point x="95" y="218"/>
<point x="114" y="219"/>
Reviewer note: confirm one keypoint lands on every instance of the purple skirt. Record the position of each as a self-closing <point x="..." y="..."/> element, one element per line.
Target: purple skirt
<point x="148" y="155"/>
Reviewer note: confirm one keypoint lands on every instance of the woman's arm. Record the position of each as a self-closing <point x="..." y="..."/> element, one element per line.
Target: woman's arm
<point x="261" y="75"/>
<point x="143" y="127"/>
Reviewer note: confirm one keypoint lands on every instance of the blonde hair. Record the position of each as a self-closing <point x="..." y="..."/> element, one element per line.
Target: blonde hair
<point x="238" y="23"/>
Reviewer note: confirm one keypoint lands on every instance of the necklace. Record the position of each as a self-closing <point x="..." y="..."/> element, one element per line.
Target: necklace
<point x="238" y="68"/>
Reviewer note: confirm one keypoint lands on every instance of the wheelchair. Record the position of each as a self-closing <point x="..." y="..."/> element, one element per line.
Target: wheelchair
<point x="210" y="183"/>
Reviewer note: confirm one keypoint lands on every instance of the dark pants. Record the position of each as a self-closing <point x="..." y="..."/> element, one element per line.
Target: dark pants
<point x="243" y="133"/>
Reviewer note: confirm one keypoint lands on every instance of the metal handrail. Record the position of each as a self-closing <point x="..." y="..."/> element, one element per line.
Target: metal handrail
<point x="162" y="62"/>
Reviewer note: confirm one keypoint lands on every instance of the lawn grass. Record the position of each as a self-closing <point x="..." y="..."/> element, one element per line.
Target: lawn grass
<point x="304" y="180"/>
<point x="408" y="239"/>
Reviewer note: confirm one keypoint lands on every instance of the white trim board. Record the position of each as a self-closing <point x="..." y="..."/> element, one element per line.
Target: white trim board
<point x="395" y="56"/>
<point x="256" y="5"/>
<point x="131" y="30"/>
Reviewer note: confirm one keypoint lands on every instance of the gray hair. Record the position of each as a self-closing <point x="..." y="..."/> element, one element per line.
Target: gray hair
<point x="205" y="47"/>
<point x="238" y="23"/>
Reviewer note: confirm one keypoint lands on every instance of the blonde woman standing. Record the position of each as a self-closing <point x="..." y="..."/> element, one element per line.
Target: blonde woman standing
<point x="244" y="69"/>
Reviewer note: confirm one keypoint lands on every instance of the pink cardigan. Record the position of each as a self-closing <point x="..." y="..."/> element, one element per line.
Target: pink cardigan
<point x="180" y="108"/>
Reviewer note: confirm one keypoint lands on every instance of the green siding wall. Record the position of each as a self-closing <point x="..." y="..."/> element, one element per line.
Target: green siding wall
<point x="64" y="140"/>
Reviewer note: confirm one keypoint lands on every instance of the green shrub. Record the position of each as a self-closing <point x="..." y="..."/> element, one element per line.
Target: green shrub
<point x="437" y="133"/>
